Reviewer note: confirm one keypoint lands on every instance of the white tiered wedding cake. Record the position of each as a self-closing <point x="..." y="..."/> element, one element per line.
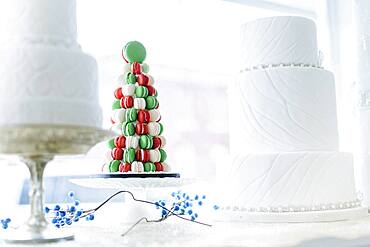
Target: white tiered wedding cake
<point x="45" y="78"/>
<point x="283" y="130"/>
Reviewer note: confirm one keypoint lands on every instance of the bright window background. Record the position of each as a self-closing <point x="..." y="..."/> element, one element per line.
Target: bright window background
<point x="193" y="53"/>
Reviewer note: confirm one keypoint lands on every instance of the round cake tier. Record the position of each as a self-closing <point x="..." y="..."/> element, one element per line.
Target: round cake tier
<point x="48" y="85"/>
<point x="279" y="40"/>
<point x="39" y="21"/>
<point x="290" y="181"/>
<point x="283" y="109"/>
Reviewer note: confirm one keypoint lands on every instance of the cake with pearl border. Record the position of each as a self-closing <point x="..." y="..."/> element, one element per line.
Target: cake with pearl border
<point x="285" y="164"/>
<point x="139" y="144"/>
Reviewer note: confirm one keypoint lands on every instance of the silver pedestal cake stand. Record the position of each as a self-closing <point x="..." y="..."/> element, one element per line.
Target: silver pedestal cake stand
<point x="36" y="145"/>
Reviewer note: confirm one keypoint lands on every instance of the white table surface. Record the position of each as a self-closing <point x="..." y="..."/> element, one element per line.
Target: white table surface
<point x="110" y="223"/>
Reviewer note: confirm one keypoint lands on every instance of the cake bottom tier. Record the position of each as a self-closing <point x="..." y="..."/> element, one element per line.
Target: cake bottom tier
<point x="291" y="182"/>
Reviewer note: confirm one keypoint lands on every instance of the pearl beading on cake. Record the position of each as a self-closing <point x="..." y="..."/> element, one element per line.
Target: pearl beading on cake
<point x="364" y="99"/>
<point x="44" y="40"/>
<point x="282" y="209"/>
<point x="268" y="66"/>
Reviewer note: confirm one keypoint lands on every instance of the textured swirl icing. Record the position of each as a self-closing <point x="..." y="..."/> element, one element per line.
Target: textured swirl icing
<point x="291" y="179"/>
<point x="41" y="84"/>
<point x="283" y="109"/>
<point x="276" y="40"/>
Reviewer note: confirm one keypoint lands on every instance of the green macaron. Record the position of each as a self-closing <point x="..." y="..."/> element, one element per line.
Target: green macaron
<point x="141" y="92"/>
<point x="134" y="51"/>
<point x="128" y="129"/>
<point x="145" y="68"/>
<point x="149" y="167"/>
<point x="163" y="155"/>
<point x="116" y="105"/>
<point x="129" y="155"/>
<point x="111" y="144"/>
<point x="130" y="78"/>
<point x="131" y="114"/>
<point x="114" y="165"/>
<point x="151" y="102"/>
<point x="146" y="142"/>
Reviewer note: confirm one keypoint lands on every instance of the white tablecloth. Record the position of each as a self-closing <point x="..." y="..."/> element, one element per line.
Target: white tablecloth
<point x="106" y="231"/>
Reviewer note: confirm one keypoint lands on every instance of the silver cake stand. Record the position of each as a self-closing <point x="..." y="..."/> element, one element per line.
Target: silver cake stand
<point x="36" y="145"/>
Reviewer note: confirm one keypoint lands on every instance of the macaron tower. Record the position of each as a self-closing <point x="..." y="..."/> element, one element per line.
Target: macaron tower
<point x="138" y="146"/>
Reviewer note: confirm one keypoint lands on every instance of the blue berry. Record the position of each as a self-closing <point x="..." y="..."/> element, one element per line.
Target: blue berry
<point x="62" y="213"/>
<point x="200" y="203"/>
<point x="173" y="194"/>
<point x="47" y="210"/>
<point x="196" y="197"/>
<point x="164" y="212"/>
<point x="190" y="212"/>
<point x="215" y="207"/>
<point x="76" y="219"/>
<point x="77" y="202"/>
<point x="163" y="203"/>
<point x="192" y="218"/>
<point x="57" y="208"/>
<point x="196" y="215"/>
<point x="71" y="194"/>
<point x="57" y="213"/>
<point x="182" y="211"/>
<point x="72" y="209"/>
<point x="57" y="225"/>
<point x="79" y="213"/>
<point x="183" y="195"/>
<point x="204" y="197"/>
<point x="54" y="220"/>
<point x="187" y="204"/>
<point x="187" y="197"/>
<point x="176" y="208"/>
<point x="5" y="225"/>
<point x="8" y="220"/>
<point x="91" y="217"/>
<point x="69" y="222"/>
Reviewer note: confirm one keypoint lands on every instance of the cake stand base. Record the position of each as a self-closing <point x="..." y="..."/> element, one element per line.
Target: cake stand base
<point x="28" y="235"/>
<point x="36" y="145"/>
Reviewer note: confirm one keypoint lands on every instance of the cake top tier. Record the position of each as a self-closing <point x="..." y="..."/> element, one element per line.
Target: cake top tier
<point x="279" y="40"/>
<point x="39" y="21"/>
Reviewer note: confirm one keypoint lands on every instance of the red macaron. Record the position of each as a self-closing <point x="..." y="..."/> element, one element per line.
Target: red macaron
<point x="143" y="80"/>
<point x="127" y="102"/>
<point x="142" y="155"/>
<point x="124" y="167"/>
<point x="117" y="153"/>
<point x="120" y="141"/>
<point x="158" y="167"/>
<point x="141" y="129"/>
<point x="143" y="116"/>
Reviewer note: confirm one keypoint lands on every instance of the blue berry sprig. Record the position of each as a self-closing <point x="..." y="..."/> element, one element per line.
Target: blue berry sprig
<point x="181" y="208"/>
<point x="184" y="204"/>
<point x="61" y="217"/>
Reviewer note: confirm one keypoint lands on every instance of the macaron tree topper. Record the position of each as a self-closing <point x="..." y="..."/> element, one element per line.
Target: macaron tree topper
<point x="134" y="51"/>
<point x="136" y="119"/>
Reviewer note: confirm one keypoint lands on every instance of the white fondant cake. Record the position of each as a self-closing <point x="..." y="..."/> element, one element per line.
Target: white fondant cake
<point x="283" y="130"/>
<point x="283" y="109"/>
<point x="45" y="78"/>
<point x="279" y="40"/>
